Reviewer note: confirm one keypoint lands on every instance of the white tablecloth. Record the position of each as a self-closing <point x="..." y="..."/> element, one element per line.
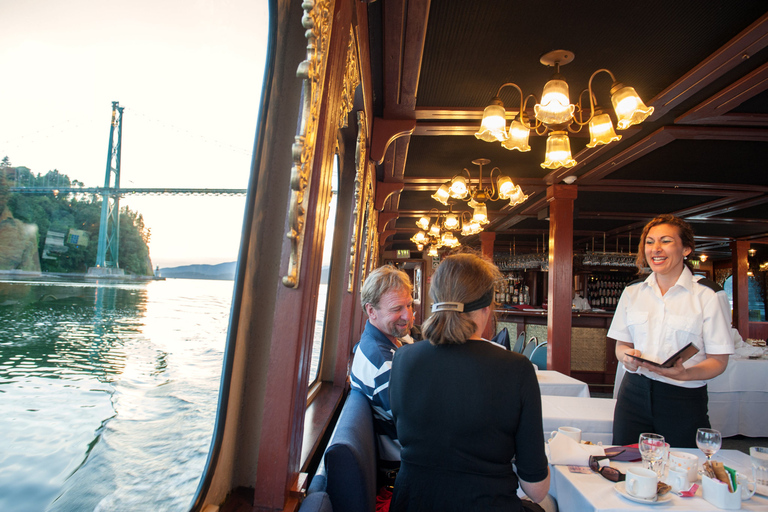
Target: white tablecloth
<point x="578" y="492"/>
<point x="594" y="416"/>
<point x="738" y="398"/>
<point x="559" y="384"/>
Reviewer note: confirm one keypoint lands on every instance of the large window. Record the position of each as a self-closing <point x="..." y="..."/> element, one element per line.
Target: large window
<point x="109" y="371"/>
<point x="322" y="294"/>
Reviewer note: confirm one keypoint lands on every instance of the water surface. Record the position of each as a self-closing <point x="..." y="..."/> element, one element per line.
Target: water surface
<point x="108" y="392"/>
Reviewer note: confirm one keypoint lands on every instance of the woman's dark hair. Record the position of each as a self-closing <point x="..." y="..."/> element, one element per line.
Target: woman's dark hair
<point x="464" y="277"/>
<point x="683" y="228"/>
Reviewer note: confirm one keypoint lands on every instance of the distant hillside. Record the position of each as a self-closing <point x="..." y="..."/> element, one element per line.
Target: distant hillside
<point x="222" y="271"/>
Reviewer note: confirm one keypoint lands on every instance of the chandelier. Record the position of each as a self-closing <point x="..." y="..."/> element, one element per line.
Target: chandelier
<point x="438" y="233"/>
<point x="461" y="187"/>
<point x="555" y="114"/>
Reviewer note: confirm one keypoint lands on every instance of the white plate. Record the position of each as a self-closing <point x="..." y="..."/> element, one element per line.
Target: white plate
<point x="621" y="489"/>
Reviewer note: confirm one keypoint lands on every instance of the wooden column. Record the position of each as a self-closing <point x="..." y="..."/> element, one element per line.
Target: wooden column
<point x="740" y="287"/>
<point x="560" y="199"/>
<point x="486" y="248"/>
<point x="486" y="244"/>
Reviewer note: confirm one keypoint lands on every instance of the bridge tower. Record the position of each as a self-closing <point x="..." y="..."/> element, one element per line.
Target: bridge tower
<point x="109" y="228"/>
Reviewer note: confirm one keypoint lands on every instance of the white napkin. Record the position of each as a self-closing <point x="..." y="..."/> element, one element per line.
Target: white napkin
<point x="565" y="451"/>
<point x="749" y="351"/>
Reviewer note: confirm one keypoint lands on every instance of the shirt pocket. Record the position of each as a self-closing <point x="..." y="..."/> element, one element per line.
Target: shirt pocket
<point x="682" y="330"/>
<point x="637" y="324"/>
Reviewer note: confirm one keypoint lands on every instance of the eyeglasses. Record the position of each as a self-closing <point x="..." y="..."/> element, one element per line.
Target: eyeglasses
<point x="607" y="472"/>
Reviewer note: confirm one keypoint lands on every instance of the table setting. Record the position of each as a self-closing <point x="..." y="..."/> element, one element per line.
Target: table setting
<point x="588" y="477"/>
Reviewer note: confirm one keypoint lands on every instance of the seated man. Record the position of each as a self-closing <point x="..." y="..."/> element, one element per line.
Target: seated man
<point x="386" y="297"/>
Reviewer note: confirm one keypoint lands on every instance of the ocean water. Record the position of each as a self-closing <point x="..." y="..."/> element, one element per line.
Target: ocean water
<point x="108" y="392"/>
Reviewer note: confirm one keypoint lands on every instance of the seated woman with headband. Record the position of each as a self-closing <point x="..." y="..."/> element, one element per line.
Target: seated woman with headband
<point x="464" y="407"/>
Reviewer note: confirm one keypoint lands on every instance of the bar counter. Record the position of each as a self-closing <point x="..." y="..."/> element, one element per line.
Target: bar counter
<point x="593" y="359"/>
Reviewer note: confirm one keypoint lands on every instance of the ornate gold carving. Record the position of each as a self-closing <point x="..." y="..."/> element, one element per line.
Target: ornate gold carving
<point x="351" y="81"/>
<point x="361" y="158"/>
<point x="317" y="20"/>
<point x="367" y="227"/>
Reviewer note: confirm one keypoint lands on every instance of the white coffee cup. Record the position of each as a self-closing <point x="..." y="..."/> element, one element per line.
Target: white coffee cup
<point x="572" y="432"/>
<point x="677" y="478"/>
<point x="641" y="482"/>
<point x="687" y="461"/>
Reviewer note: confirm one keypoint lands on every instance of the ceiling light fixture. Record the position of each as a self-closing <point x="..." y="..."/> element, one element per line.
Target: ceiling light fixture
<point x="557" y="115"/>
<point x="752" y="251"/>
<point x="439" y="233"/>
<point x="461" y="187"/>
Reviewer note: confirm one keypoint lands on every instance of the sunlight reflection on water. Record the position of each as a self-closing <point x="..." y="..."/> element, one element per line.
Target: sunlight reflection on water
<point x="108" y="392"/>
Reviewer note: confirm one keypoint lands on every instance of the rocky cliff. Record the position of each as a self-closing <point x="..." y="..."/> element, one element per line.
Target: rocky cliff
<point x="18" y="244"/>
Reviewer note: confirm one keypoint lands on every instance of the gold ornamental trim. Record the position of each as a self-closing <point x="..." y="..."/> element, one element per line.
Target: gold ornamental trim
<point x="350" y="83"/>
<point x="361" y="157"/>
<point x="317" y="22"/>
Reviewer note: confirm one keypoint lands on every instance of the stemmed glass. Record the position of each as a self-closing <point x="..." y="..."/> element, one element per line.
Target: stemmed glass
<point x="708" y="441"/>
<point x="653" y="449"/>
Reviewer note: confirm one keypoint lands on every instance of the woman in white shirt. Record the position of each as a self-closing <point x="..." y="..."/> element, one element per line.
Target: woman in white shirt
<point x="655" y="318"/>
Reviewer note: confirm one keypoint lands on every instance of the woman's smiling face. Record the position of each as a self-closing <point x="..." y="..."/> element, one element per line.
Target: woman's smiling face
<point x="664" y="250"/>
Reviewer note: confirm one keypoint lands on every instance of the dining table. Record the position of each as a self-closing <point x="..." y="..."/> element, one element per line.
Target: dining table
<point x="590" y="492"/>
<point x="738" y="398"/>
<point x="555" y="383"/>
<point x="594" y="416"/>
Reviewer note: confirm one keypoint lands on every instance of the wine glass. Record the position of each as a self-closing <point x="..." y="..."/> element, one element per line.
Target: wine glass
<point x="708" y="441"/>
<point x="653" y="450"/>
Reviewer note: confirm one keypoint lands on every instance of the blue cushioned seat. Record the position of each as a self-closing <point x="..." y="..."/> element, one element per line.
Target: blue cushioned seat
<point x="539" y="356"/>
<point x="520" y="343"/>
<point x="350" y="458"/>
<point x="316" y="502"/>
<point x="502" y="338"/>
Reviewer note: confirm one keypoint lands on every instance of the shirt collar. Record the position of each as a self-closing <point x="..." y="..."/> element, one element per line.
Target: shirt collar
<point x="685" y="280"/>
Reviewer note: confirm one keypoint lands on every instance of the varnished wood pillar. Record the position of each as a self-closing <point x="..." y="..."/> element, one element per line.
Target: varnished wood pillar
<point x="739" y="252"/>
<point x="560" y="293"/>
<point x="487" y="240"/>
<point x="486" y="244"/>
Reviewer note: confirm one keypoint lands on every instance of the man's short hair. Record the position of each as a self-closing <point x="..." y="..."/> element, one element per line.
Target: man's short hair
<point x="382" y="280"/>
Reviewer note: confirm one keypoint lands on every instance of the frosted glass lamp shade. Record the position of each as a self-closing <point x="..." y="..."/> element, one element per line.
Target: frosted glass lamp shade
<point x="419" y="238"/>
<point x="449" y="240"/>
<point x="555" y="107"/>
<point x="558" y="151"/>
<point x="518" y="137"/>
<point x="442" y="195"/>
<point x="494" y="124"/>
<point x="432" y="251"/>
<point x="601" y="131"/>
<point x="480" y="215"/>
<point x="423" y="222"/>
<point x="517" y="196"/>
<point x="451" y="221"/>
<point x="459" y="188"/>
<point x="629" y="108"/>
<point x="505" y="186"/>
<point x="434" y="229"/>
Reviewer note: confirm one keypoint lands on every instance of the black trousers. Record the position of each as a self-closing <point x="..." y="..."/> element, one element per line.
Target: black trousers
<point x="645" y="405"/>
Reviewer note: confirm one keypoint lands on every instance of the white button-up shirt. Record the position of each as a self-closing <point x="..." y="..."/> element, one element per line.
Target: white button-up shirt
<point x="660" y="325"/>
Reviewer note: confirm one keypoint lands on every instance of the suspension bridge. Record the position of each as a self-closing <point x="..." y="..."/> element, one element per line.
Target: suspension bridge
<point x="109" y="236"/>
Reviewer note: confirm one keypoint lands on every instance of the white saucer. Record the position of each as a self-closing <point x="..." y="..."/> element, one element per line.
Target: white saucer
<point x="621" y="489"/>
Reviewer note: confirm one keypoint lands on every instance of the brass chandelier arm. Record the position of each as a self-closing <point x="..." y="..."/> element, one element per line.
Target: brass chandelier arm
<point x="523" y="102"/>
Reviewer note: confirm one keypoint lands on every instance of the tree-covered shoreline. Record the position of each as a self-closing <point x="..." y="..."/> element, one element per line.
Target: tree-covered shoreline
<point x="74" y="219"/>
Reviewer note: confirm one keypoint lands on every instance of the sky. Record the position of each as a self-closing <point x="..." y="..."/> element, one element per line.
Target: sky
<point x="188" y="74"/>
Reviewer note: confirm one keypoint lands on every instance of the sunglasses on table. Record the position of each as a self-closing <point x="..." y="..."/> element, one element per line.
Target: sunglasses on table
<point x="607" y="472"/>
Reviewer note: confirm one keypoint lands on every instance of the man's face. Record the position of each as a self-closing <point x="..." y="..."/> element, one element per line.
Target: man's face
<point x="394" y="316"/>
